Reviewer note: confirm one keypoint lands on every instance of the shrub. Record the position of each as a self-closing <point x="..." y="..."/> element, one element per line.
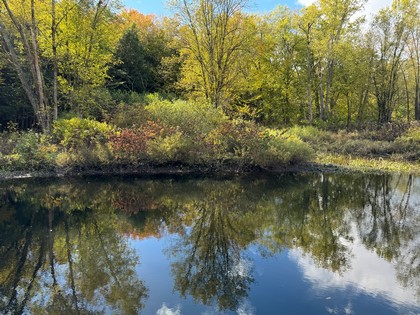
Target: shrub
<point x="194" y="119"/>
<point x="170" y="148"/>
<point x="408" y="144"/>
<point x="132" y="145"/>
<point x="28" y="151"/>
<point x="362" y="147"/>
<point x="130" y="116"/>
<point x="128" y="145"/>
<point x="76" y="132"/>
<point x="412" y="135"/>
<point x="233" y="140"/>
<point x="311" y="134"/>
<point x="245" y="143"/>
<point x="85" y="141"/>
<point x="129" y="98"/>
<point x="278" y="148"/>
<point x="92" y="102"/>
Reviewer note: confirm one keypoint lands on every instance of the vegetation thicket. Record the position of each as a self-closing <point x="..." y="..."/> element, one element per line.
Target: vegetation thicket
<point x="87" y="84"/>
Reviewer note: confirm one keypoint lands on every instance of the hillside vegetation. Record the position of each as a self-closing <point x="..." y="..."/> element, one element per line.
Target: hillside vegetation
<point x="89" y="84"/>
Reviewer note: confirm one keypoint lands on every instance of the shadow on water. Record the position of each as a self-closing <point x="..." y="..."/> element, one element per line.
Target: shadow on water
<point x="64" y="243"/>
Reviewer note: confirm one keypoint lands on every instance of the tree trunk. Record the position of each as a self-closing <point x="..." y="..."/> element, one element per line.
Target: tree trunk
<point x="27" y="66"/>
<point x="39" y="79"/>
<point x="55" y="61"/>
<point x="309" y="83"/>
<point x="362" y="106"/>
<point x="348" y="110"/>
<point x="328" y="102"/>
<point x="321" y="97"/>
<point x="417" y="101"/>
<point x="384" y="112"/>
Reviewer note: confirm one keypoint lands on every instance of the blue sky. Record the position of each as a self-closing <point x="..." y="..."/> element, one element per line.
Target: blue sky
<point x="158" y="7"/>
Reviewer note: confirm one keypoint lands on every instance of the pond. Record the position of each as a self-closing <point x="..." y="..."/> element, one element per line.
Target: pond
<point x="270" y="244"/>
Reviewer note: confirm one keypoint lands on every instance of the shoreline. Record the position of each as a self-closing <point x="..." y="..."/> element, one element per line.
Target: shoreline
<point x="325" y="164"/>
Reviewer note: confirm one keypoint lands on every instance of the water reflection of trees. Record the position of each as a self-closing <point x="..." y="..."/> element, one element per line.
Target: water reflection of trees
<point x="388" y="222"/>
<point x="64" y="256"/>
<point x="215" y="221"/>
<point x="209" y="259"/>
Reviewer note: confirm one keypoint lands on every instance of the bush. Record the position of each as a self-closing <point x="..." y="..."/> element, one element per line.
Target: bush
<point x="84" y="141"/>
<point x="313" y="135"/>
<point x="154" y="143"/>
<point x="412" y="135"/>
<point x="171" y="148"/>
<point x="277" y="148"/>
<point x="130" y="116"/>
<point x="28" y="151"/>
<point x="245" y="143"/>
<point x="129" y="98"/>
<point x="76" y="132"/>
<point x="363" y="147"/>
<point x="194" y="119"/>
<point x="92" y="102"/>
<point x="408" y="144"/>
<point x="232" y="140"/>
<point x="129" y="145"/>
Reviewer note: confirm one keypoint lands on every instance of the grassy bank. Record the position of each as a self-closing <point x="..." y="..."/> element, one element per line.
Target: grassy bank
<point x="192" y="136"/>
<point x="365" y="164"/>
<point x="390" y="148"/>
<point x="157" y="134"/>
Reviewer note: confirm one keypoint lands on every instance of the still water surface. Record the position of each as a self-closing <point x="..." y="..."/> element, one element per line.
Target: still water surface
<point x="280" y="244"/>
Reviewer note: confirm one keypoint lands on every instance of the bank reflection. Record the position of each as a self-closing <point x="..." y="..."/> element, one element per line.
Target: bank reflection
<point x="67" y="251"/>
<point x="61" y="255"/>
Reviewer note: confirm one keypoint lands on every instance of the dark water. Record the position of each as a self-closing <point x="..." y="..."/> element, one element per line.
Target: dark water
<point x="289" y="244"/>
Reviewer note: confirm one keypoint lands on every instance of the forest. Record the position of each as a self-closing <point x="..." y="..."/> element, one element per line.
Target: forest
<point x="90" y="83"/>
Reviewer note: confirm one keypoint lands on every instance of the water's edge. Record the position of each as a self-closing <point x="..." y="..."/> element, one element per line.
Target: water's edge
<point x="183" y="170"/>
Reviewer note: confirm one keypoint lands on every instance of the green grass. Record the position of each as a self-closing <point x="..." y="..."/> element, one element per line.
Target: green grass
<point x="365" y="164"/>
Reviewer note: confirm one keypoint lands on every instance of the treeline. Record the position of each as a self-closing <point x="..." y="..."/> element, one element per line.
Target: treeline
<point x="324" y="65"/>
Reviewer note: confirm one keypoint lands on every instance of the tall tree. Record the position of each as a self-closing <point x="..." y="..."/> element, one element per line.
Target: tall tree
<point x="210" y="34"/>
<point x="334" y="22"/>
<point x="388" y="37"/>
<point x="140" y="53"/>
<point x="19" y="35"/>
<point x="411" y="15"/>
<point x="131" y="71"/>
<point x="306" y="24"/>
<point x="89" y="32"/>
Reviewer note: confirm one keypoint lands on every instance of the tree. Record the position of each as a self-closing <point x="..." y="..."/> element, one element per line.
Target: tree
<point x="388" y="37"/>
<point x="335" y="20"/>
<point x="306" y="24"/>
<point x="13" y="101"/>
<point x="131" y="71"/>
<point x="19" y="35"/>
<point x="89" y="32"/>
<point x="411" y="15"/>
<point x="210" y="34"/>
<point x="140" y="54"/>
<point x="57" y="48"/>
<point x="278" y="59"/>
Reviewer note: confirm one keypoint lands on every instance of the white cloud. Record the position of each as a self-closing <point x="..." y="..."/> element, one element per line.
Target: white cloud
<point x="164" y="310"/>
<point x="306" y="2"/>
<point x="245" y="308"/>
<point x="368" y="273"/>
<point x="373" y="6"/>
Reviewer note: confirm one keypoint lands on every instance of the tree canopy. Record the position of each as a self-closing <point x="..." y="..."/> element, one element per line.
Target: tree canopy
<point x="323" y="64"/>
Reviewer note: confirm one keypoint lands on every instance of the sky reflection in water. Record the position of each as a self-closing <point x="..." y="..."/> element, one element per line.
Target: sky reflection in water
<point x="304" y="244"/>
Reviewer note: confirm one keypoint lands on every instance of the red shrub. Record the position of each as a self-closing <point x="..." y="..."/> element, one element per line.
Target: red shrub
<point x="129" y="145"/>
